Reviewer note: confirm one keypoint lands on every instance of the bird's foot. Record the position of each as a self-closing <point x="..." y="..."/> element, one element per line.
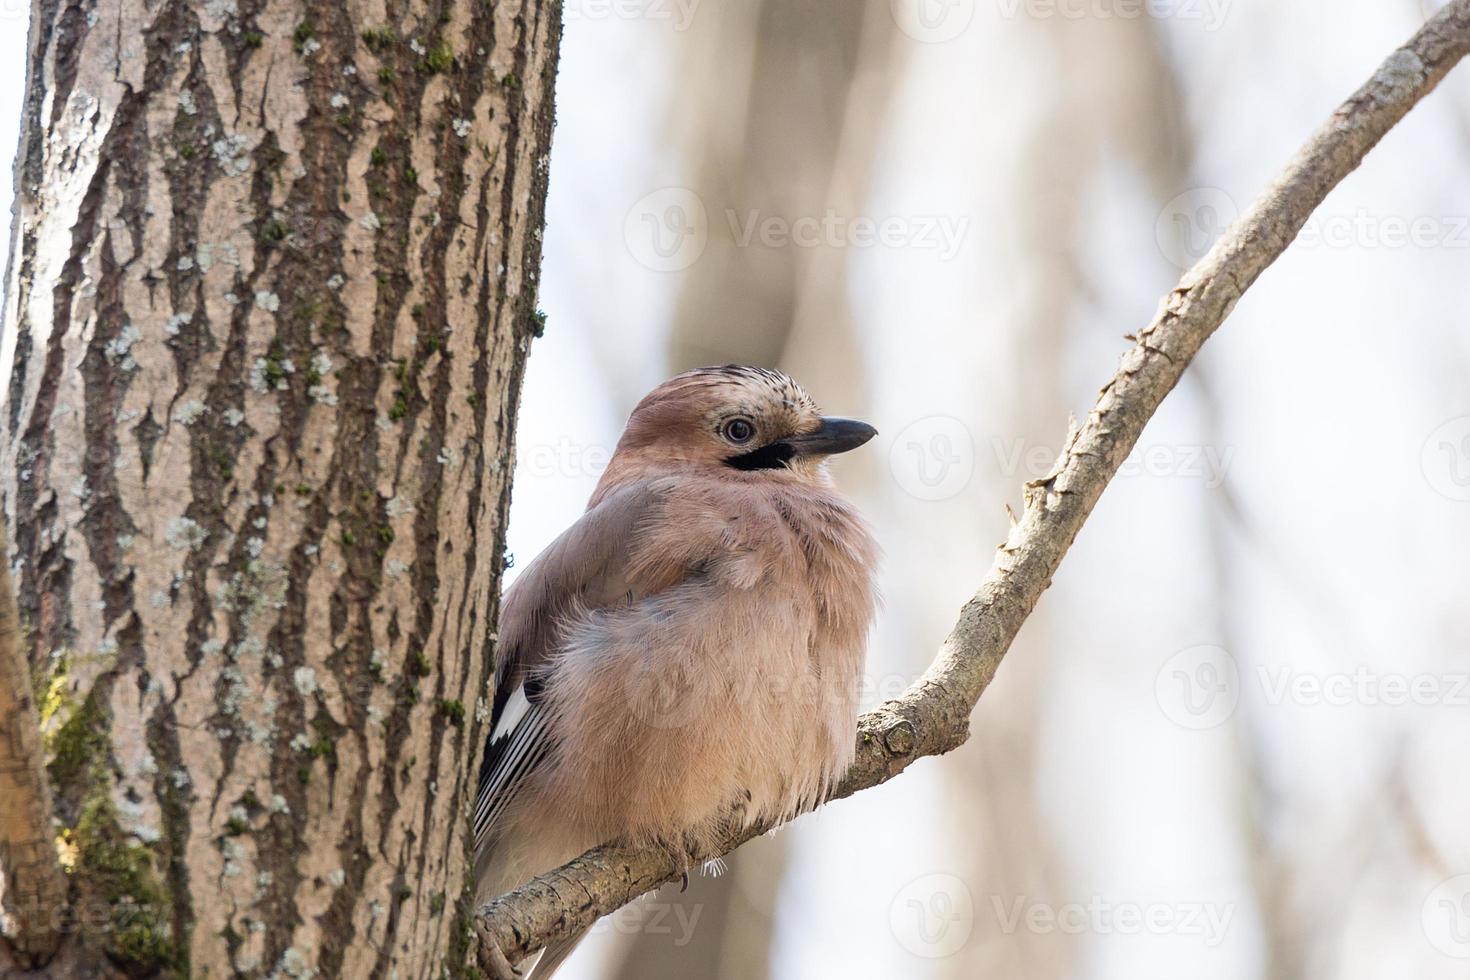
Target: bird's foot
<point x="683" y="857"/>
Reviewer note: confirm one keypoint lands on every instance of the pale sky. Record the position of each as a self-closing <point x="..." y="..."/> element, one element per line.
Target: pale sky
<point x="12" y="83"/>
<point x="1301" y="527"/>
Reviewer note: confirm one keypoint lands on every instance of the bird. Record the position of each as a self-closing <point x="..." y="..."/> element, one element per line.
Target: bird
<point x="685" y="659"/>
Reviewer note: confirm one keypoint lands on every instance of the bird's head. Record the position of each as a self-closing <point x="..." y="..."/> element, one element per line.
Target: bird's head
<point x="732" y="420"/>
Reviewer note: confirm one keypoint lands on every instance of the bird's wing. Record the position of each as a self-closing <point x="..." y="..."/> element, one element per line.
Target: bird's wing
<point x="592" y="565"/>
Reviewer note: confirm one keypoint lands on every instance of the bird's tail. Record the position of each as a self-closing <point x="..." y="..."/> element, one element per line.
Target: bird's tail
<point x="554" y="955"/>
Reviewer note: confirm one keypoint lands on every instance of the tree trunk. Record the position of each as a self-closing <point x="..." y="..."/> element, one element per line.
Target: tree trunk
<point x="266" y="318"/>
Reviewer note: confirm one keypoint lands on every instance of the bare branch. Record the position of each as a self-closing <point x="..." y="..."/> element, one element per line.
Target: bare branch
<point x="33" y="895"/>
<point x="932" y="717"/>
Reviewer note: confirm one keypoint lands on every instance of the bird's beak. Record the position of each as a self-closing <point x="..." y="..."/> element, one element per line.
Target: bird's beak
<point x="832" y="436"/>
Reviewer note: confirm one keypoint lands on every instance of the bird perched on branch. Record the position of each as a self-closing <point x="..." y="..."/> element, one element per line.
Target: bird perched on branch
<point x="684" y="660"/>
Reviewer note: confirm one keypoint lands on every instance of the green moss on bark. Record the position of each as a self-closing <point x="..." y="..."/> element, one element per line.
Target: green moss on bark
<point x="80" y="742"/>
<point x="123" y="875"/>
<point x="109" y="868"/>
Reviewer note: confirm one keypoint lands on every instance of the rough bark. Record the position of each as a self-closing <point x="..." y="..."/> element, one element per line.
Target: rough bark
<point x="273" y="286"/>
<point x="933" y="716"/>
<point x="34" y="886"/>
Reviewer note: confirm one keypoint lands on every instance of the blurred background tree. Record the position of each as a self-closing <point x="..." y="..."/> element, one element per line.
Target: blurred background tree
<point x="1090" y="154"/>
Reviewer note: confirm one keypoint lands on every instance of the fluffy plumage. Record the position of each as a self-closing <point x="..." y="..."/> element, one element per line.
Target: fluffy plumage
<point x="687" y="655"/>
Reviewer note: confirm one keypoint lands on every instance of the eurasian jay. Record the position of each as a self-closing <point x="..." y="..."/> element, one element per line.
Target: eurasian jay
<point x="685" y="658"/>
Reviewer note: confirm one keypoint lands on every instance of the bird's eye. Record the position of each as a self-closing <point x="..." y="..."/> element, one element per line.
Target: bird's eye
<point x="739" y="430"/>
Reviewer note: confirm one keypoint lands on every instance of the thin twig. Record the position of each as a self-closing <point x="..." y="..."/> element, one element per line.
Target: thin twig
<point x="932" y="717"/>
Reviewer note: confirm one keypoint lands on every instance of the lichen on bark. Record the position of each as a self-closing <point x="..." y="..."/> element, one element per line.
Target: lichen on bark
<point x="265" y="329"/>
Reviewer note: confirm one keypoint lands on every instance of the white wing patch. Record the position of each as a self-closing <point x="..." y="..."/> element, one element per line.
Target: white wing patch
<point x="517" y="744"/>
<point x="515" y="710"/>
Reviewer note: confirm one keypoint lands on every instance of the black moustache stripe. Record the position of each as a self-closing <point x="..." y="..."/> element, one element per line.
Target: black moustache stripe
<point x="768" y="457"/>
